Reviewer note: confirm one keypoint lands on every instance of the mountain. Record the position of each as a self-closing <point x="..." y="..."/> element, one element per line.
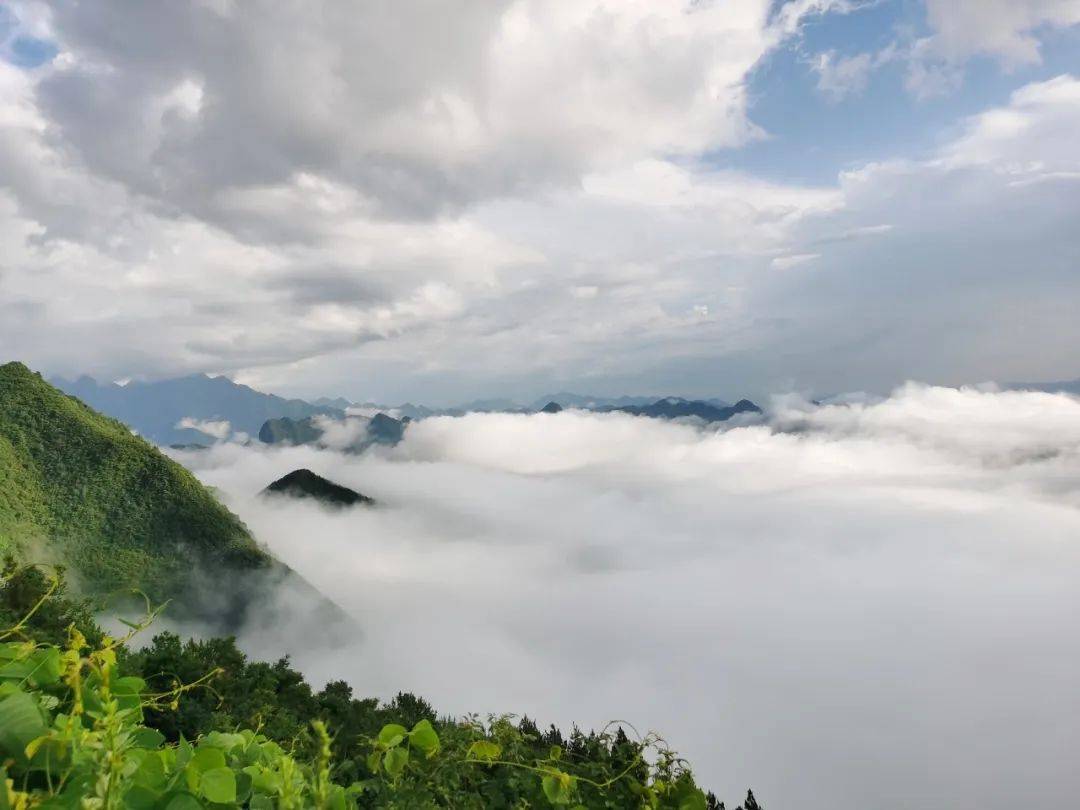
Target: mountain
<point x="353" y="434"/>
<point x="567" y="399"/>
<point x="306" y="484"/>
<point x="289" y="431"/>
<point x="675" y="408"/>
<point x="552" y="407"/>
<point x="156" y="409"/>
<point x="1060" y="387"/>
<point x="80" y="488"/>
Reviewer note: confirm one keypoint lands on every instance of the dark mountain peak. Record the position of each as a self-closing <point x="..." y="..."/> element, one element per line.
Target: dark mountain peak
<point x="745" y="406"/>
<point x="304" y="483"/>
<point x="677" y="408"/>
<point x="551" y="407"/>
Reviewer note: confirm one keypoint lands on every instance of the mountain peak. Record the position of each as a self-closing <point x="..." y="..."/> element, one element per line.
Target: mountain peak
<point x="303" y="483"/>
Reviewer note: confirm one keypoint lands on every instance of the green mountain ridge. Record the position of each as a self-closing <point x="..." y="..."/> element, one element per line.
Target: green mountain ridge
<point x="82" y="488"/>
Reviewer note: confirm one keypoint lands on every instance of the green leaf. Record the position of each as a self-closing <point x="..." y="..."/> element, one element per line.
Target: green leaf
<point x="207" y="759"/>
<point x="149" y="738"/>
<point x="20" y="724"/>
<point x="182" y="801"/>
<point x="559" y="787"/>
<point x="392" y="734"/>
<point x="219" y="785"/>
<point x="484" y="750"/>
<point x="151" y="771"/>
<point x="41" y="667"/>
<point x="140" y="797"/>
<point x="224" y="741"/>
<point x="689" y="797"/>
<point x="423" y="736"/>
<point x="395" y="761"/>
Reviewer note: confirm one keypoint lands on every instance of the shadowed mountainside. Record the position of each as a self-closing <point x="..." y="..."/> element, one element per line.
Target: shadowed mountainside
<point x="306" y="484"/>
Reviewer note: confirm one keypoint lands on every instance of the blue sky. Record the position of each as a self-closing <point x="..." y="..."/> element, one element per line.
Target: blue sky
<point x="663" y="197"/>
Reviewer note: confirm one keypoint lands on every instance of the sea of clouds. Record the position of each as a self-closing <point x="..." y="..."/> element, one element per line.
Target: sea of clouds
<point x="865" y="604"/>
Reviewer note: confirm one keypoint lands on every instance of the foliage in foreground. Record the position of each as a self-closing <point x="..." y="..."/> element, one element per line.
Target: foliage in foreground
<point x="84" y="723"/>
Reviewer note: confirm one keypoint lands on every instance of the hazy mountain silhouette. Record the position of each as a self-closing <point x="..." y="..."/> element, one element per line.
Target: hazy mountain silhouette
<point x="155" y="408"/>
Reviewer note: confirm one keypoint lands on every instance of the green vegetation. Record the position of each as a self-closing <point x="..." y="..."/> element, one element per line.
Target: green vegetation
<point x="108" y="503"/>
<point x="87" y="723"/>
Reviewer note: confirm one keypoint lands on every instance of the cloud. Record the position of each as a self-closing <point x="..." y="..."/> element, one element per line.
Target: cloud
<point x="866" y="604"/>
<point x="1005" y="29"/>
<point x="508" y="95"/>
<point x="841" y="76"/>
<point x="150" y="188"/>
<point x="1009" y="31"/>
<point x="216" y="429"/>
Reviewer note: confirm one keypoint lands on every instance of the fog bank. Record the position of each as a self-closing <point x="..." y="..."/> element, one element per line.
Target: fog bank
<point x="865" y="605"/>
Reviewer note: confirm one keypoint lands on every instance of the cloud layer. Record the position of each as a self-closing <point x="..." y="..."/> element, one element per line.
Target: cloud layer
<point x="365" y="203"/>
<point x="865" y="604"/>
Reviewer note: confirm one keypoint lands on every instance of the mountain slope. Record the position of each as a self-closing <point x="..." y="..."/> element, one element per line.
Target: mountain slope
<point x="110" y="505"/>
<point x="155" y="409"/>
<point x="353" y="434"/>
<point x="676" y="408"/>
<point x="306" y="484"/>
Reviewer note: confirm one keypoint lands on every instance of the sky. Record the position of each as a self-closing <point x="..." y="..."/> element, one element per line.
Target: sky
<point x="870" y="604"/>
<point x="441" y="201"/>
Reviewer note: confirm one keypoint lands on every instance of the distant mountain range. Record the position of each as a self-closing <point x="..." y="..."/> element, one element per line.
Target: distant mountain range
<point x="1062" y="386"/>
<point x="157" y="410"/>
<point x="676" y="408"/>
<point x="352" y="434"/>
<point x="198" y="410"/>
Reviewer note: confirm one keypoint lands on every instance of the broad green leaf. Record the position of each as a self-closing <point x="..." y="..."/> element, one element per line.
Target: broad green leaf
<point x="423" y="736"/>
<point x="224" y="741"/>
<point x="182" y="801"/>
<point x="151" y="771"/>
<point x="395" y="761"/>
<point x="559" y="787"/>
<point x="219" y="785"/>
<point x="207" y="759"/>
<point x="140" y="797"/>
<point x="392" y="734"/>
<point x="149" y="738"/>
<point x="20" y="724"/>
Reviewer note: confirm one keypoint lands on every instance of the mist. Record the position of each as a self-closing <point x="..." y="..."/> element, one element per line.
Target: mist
<point x="864" y="604"/>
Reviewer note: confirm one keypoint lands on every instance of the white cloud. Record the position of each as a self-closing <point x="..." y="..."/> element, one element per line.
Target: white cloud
<point x="1009" y="31"/>
<point x="842" y="76"/>
<point x="1005" y="29"/>
<point x="215" y="428"/>
<point x="830" y="609"/>
<point x="601" y="261"/>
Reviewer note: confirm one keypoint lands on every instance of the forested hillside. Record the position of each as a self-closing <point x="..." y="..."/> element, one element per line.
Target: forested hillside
<point x="87" y="722"/>
<point x="82" y="488"/>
